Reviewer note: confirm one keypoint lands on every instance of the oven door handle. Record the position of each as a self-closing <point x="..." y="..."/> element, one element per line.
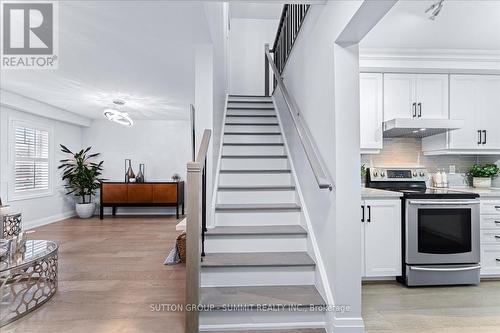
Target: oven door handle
<point x="453" y="269"/>
<point x="439" y="203"/>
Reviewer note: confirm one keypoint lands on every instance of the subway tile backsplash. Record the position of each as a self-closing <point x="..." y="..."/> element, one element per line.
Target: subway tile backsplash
<point x="408" y="152"/>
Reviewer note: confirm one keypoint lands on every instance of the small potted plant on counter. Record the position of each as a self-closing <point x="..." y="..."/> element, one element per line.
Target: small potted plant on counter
<point x="82" y="178"/>
<point x="481" y="175"/>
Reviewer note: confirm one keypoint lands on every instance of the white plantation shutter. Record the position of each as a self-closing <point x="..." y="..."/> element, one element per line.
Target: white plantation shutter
<point x="31" y="159"/>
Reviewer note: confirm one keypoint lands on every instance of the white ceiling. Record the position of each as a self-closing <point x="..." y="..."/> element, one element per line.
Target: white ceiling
<point x="242" y="10"/>
<point x="466" y="24"/>
<point x="139" y="51"/>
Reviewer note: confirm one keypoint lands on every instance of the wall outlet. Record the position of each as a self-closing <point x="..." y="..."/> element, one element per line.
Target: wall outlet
<point x="452" y="170"/>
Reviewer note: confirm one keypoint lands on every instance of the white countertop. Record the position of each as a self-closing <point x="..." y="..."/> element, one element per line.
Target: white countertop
<point x="375" y="193"/>
<point x="483" y="192"/>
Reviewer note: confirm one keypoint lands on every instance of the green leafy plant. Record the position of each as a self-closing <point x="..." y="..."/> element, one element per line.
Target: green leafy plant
<point x="363" y="171"/>
<point x="81" y="174"/>
<point x="483" y="171"/>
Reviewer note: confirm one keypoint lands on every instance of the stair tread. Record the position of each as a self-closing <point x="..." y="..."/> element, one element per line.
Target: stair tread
<point x="256" y="171"/>
<point x="255" y="156"/>
<point x="258" y="230"/>
<point x="257" y="259"/>
<point x="252" y="115"/>
<point x="252" y="124"/>
<point x="269" y="206"/>
<point x="249" y="144"/>
<point x="256" y="188"/>
<point x="300" y="330"/>
<point x="252" y="296"/>
<point x="249" y="108"/>
<point x="252" y="133"/>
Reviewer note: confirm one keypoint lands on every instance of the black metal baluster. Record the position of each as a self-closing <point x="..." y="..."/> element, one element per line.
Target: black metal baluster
<point x="203" y="207"/>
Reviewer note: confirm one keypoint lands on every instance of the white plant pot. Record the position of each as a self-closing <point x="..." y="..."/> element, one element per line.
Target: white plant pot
<point x="481" y="182"/>
<point x="86" y="210"/>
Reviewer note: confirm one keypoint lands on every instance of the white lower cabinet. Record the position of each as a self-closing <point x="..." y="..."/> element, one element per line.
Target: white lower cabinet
<point x="490" y="237"/>
<point x="381" y="238"/>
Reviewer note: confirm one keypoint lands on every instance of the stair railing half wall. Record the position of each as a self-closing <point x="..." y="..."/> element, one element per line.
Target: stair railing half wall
<point x="195" y="230"/>
<point x="322" y="177"/>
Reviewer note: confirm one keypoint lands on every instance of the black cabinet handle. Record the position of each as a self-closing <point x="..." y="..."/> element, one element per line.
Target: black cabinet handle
<point x="497" y="222"/>
<point x="419" y="110"/>
<point x="479" y="137"/>
<point x="414" y="110"/>
<point x="498" y="259"/>
<point x="362" y="213"/>
<point x="484" y="139"/>
<point x="497" y="207"/>
<point x="369" y="214"/>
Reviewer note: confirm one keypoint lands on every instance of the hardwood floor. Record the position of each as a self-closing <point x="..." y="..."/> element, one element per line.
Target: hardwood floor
<point x="392" y="308"/>
<point x="110" y="273"/>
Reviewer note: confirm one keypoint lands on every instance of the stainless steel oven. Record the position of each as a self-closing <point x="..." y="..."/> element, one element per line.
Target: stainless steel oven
<point x="442" y="231"/>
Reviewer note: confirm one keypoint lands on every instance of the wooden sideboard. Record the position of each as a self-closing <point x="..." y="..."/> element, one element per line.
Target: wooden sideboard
<point x="151" y="194"/>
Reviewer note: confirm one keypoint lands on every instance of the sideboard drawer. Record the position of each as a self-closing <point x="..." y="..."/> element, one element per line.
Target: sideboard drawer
<point x="490" y="236"/>
<point x="140" y="193"/>
<point x="114" y="193"/>
<point x="490" y="207"/>
<point x="165" y="193"/>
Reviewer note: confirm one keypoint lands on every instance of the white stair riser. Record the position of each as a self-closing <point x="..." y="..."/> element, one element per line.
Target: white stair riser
<point x="251" y="112"/>
<point x="253" y="218"/>
<point x="227" y="320"/>
<point x="253" y="150"/>
<point x="253" y="138"/>
<point x="252" y="128"/>
<point x="254" y="164"/>
<point x="256" y="197"/>
<point x="257" y="243"/>
<point x="259" y="120"/>
<point x="257" y="276"/>
<point x="256" y="179"/>
<point x="236" y="104"/>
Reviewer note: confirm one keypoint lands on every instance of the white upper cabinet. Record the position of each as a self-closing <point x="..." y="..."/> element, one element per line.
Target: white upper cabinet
<point x="415" y="96"/>
<point x="371" y="95"/>
<point x="432" y="96"/>
<point x="476" y="100"/>
<point x="399" y="96"/>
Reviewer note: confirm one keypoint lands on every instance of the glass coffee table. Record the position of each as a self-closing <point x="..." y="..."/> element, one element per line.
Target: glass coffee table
<point x="28" y="279"/>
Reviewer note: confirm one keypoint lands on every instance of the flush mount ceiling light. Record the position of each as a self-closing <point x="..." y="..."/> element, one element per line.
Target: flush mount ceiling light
<point x="435" y="8"/>
<point x="117" y="116"/>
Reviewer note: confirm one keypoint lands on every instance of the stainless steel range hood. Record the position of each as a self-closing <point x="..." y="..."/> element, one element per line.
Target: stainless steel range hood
<point x="419" y="128"/>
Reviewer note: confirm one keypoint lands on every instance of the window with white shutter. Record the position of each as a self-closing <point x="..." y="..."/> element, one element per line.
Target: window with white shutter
<point x="31" y="164"/>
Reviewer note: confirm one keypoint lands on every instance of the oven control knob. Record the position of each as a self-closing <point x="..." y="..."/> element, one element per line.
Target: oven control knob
<point x="422" y="173"/>
<point x="415" y="174"/>
<point x="375" y="174"/>
<point x="382" y="174"/>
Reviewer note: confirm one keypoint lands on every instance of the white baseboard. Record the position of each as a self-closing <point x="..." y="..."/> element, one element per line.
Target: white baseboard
<point x="47" y="220"/>
<point x="348" y="325"/>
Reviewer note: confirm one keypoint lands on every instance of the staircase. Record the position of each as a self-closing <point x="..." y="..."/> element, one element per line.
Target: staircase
<point x="257" y="254"/>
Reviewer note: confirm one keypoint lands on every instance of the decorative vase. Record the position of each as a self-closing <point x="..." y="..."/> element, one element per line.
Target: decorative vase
<point x="481" y="182"/>
<point x="85" y="210"/>
<point x="140" y="174"/>
<point x="129" y="173"/>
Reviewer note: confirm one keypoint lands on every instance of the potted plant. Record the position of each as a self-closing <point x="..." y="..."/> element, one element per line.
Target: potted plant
<point x="481" y="175"/>
<point x="82" y="178"/>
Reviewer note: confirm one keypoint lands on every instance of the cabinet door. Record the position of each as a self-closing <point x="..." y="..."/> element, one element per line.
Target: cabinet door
<point x="432" y="96"/>
<point x="463" y="105"/>
<point x="489" y="110"/>
<point x="371" y="112"/>
<point x="383" y="238"/>
<point x="140" y="193"/>
<point x="165" y="193"/>
<point x="399" y="96"/>
<point x="114" y="193"/>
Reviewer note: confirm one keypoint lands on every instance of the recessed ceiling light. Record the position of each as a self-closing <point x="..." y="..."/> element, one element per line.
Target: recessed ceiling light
<point x="423" y="129"/>
<point x="117" y="116"/>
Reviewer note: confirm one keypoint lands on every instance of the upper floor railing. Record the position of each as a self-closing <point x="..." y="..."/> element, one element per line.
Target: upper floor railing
<point x="291" y="20"/>
<point x="195" y="229"/>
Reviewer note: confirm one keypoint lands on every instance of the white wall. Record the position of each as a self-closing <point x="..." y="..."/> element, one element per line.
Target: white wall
<point x="246" y="54"/>
<point x="47" y="209"/>
<point x="323" y="79"/>
<point x="163" y="146"/>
